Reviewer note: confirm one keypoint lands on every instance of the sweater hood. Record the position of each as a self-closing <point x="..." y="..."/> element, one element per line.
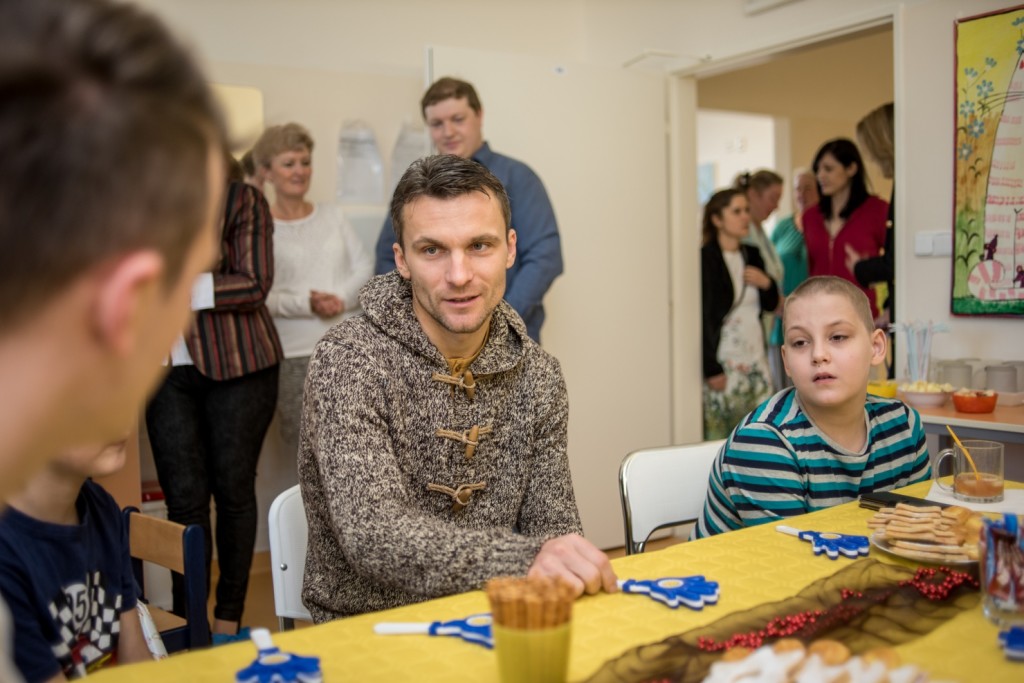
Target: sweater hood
<point x="387" y="303"/>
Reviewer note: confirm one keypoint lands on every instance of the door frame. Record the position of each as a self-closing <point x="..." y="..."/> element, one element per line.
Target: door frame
<point x="684" y="211"/>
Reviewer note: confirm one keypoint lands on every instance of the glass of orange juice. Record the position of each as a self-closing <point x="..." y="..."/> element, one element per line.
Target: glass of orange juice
<point x="982" y="486"/>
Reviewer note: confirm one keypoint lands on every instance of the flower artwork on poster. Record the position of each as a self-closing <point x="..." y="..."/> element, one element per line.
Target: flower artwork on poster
<point x="988" y="228"/>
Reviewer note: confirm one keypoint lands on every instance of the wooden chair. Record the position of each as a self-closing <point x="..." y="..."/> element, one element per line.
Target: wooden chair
<point x="288" y="539"/>
<point x="663" y="487"/>
<point x="180" y="549"/>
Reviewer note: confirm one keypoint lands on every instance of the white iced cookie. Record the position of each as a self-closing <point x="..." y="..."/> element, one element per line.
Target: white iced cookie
<point x="823" y="661"/>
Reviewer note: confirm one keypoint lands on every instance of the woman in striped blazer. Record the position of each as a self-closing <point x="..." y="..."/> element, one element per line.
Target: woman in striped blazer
<point x="207" y="421"/>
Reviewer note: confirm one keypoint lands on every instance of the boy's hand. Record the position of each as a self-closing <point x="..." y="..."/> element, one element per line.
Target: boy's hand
<point x="577" y="562"/>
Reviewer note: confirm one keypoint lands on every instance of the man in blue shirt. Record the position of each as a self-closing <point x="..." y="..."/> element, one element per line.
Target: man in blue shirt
<point x="454" y="116"/>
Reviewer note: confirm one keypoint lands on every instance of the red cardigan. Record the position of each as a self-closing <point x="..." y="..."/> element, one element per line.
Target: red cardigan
<point x="864" y="230"/>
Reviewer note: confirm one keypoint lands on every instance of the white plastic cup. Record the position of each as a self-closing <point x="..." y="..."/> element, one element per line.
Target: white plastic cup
<point x="959" y="375"/>
<point x="1018" y="365"/>
<point x="1001" y="378"/>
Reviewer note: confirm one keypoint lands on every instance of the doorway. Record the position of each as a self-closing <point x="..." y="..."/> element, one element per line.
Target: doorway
<point x="814" y="94"/>
<point x="730" y="143"/>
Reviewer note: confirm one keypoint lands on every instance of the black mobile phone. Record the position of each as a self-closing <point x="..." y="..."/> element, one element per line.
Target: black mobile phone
<point x="888" y="499"/>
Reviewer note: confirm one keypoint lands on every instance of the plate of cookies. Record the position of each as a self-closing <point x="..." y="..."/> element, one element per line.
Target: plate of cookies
<point x="932" y="535"/>
<point x="823" y="660"/>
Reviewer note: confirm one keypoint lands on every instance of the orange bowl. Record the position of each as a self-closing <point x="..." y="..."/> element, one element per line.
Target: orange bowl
<point x="975" y="401"/>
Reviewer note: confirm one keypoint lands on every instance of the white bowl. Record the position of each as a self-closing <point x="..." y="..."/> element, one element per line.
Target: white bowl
<point x="1010" y="399"/>
<point x="925" y="399"/>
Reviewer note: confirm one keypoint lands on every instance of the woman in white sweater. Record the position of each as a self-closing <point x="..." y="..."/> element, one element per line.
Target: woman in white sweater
<point x="319" y="263"/>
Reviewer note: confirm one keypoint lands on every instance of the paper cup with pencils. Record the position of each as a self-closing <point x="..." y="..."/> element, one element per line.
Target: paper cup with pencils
<point x="532" y="619"/>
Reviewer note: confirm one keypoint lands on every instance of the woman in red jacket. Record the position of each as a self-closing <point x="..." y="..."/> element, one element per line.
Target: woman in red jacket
<point x="846" y="218"/>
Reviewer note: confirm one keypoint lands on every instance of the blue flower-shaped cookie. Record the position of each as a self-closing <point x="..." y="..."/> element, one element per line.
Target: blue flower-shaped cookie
<point x="273" y="666"/>
<point x="692" y="591"/>
<point x="831" y="544"/>
<point x="474" y="629"/>
<point x="1012" y="642"/>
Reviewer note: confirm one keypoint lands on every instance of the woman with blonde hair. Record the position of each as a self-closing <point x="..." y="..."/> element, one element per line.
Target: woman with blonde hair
<point x="875" y="133"/>
<point x="320" y="264"/>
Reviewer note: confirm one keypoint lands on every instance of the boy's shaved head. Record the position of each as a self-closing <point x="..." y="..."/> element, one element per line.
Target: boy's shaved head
<point x="828" y="284"/>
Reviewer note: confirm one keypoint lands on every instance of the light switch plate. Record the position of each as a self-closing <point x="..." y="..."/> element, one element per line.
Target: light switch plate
<point x="942" y="244"/>
<point x="924" y="244"/>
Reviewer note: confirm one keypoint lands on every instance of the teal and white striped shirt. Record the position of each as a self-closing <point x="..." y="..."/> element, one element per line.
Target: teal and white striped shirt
<point x="777" y="463"/>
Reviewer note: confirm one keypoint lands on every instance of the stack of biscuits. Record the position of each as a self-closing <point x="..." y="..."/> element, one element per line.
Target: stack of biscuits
<point x="529" y="603"/>
<point x="932" y="534"/>
<point x="823" y="661"/>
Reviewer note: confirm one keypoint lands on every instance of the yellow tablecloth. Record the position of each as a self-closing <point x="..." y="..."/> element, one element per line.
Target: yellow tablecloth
<point x="752" y="566"/>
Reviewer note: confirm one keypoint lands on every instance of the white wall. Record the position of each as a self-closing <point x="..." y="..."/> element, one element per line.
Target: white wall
<point x="323" y="99"/>
<point x="617" y="31"/>
<point x="373" y="36"/>
<point x="925" y="98"/>
<point x="734" y="143"/>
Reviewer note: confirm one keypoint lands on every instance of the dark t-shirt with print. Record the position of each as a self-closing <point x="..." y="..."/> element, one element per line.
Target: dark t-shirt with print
<point x="66" y="586"/>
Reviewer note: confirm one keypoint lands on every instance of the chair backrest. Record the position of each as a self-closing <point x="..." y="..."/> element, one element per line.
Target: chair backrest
<point x="663" y="487"/>
<point x="288" y="538"/>
<point x="181" y="549"/>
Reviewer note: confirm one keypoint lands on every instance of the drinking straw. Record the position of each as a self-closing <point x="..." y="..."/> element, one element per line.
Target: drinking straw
<point x="967" y="453"/>
<point x="911" y="353"/>
<point x="927" y="352"/>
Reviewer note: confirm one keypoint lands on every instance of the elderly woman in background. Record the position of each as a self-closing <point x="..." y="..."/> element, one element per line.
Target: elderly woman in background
<point x="763" y="190"/>
<point x="735" y="291"/>
<point x="847" y="217"/>
<point x="788" y="239"/>
<point x="319" y="261"/>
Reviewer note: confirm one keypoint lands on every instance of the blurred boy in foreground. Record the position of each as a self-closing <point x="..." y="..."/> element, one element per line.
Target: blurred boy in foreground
<point x="65" y="570"/>
<point x="823" y="441"/>
<point x="109" y="196"/>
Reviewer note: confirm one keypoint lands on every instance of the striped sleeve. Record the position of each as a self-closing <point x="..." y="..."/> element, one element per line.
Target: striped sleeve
<point x="778" y="464"/>
<point x="899" y="450"/>
<point x="756" y="479"/>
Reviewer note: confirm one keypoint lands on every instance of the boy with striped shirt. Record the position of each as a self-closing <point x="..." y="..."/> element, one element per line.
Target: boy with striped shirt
<point x="823" y="441"/>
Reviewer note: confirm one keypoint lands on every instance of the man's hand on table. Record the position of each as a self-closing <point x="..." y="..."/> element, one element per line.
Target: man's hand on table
<point x="576" y="561"/>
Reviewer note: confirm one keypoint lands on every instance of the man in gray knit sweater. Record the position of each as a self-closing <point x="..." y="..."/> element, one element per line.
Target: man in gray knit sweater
<point x="433" y="447"/>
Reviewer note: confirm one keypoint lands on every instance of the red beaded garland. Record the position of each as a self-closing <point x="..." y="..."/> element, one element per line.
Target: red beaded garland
<point x="935" y="584"/>
<point x="936" y="588"/>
